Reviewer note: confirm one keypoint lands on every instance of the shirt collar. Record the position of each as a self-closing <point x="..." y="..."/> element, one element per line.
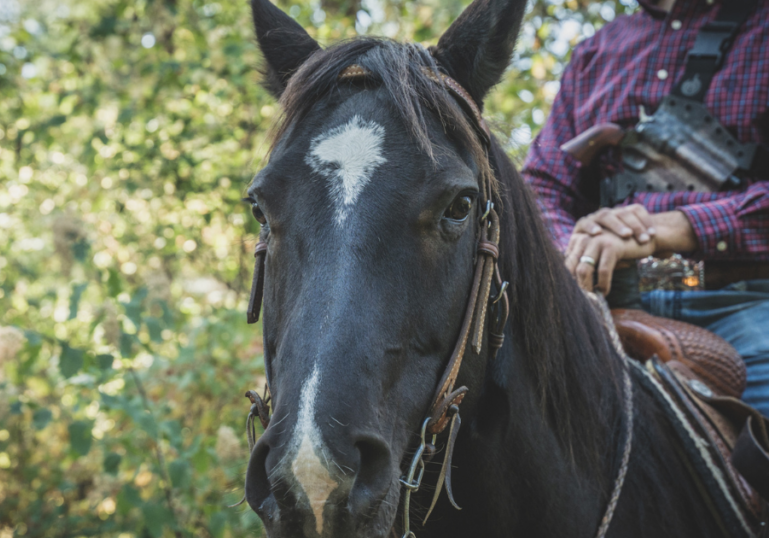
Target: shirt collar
<point x="650" y="6"/>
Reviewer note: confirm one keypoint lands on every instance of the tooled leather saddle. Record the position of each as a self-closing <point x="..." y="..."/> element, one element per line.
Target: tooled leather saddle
<point x="727" y="441"/>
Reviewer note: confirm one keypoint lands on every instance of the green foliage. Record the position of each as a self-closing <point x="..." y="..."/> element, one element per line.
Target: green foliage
<point x="128" y="133"/>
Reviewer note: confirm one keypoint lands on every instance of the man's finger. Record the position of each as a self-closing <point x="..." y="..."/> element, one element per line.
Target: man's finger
<point x="587" y="263"/>
<point x="587" y="225"/>
<point x="606" y="266"/>
<point x="644" y="216"/>
<point x="577" y="243"/>
<point x="631" y="220"/>
<point x="611" y="222"/>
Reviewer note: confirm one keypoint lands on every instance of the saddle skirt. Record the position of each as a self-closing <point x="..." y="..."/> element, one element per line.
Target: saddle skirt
<point x="727" y="441"/>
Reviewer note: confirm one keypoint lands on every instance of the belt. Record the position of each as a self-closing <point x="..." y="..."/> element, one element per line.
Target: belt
<point x="678" y="273"/>
<point x="720" y="273"/>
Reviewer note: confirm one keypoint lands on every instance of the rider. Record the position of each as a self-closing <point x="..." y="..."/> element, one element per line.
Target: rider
<point x="621" y="75"/>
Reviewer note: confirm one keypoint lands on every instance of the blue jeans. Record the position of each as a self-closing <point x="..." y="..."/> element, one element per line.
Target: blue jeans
<point x="739" y="314"/>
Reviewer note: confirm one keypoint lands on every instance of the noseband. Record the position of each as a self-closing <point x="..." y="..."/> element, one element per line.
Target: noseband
<point x="481" y="309"/>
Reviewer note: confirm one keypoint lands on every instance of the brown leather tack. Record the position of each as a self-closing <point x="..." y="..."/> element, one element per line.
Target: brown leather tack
<point x="709" y="356"/>
<point x="699" y="410"/>
<point x="752" y="455"/>
<point x="488" y="248"/>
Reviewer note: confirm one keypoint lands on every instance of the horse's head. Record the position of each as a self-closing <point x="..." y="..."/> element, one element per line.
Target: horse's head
<point x="371" y="211"/>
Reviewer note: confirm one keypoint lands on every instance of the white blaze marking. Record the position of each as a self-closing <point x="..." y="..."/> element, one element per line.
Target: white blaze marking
<point x="309" y="471"/>
<point x="347" y="157"/>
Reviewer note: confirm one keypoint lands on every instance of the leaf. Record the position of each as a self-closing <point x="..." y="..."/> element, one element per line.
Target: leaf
<point x="156" y="517"/>
<point x="179" y="472"/>
<point x="57" y="120"/>
<point x="104" y="362"/>
<point x="147" y="423"/>
<point x="114" y="286"/>
<point x="33" y="338"/>
<point x="216" y="524"/>
<point x="126" y="344"/>
<point x="173" y="430"/>
<point x="112" y="462"/>
<point x="201" y="460"/>
<point x="128" y="498"/>
<point x="134" y="308"/>
<point x="71" y="360"/>
<point x="80" y="437"/>
<point x="154" y="328"/>
<point x="41" y="417"/>
<point x="74" y="299"/>
<point x="168" y="316"/>
<point x="133" y="311"/>
<point x="80" y="249"/>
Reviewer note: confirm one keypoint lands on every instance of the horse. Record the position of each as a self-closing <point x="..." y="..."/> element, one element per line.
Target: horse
<point x="373" y="204"/>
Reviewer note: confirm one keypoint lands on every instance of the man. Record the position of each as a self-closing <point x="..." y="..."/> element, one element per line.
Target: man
<point x="619" y="75"/>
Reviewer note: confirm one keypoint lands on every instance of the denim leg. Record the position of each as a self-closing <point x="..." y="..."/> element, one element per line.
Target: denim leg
<point x="739" y="315"/>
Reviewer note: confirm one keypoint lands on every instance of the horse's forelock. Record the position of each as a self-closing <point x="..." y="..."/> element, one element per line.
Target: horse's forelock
<point x="394" y="67"/>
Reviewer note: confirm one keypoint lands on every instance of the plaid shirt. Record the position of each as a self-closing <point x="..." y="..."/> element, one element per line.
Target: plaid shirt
<point x="633" y="61"/>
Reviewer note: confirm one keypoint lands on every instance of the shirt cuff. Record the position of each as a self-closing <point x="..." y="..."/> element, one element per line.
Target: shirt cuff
<point x="717" y="228"/>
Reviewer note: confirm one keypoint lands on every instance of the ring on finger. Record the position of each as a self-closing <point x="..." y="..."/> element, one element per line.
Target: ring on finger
<point x="588" y="260"/>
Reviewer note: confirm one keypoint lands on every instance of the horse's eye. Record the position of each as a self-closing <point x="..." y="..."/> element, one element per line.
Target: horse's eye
<point x="459" y="208"/>
<point x="257" y="213"/>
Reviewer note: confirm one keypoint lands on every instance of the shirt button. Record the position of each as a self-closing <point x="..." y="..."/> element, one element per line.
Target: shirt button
<point x="675" y="25"/>
<point x="662" y="74"/>
<point x="721" y="246"/>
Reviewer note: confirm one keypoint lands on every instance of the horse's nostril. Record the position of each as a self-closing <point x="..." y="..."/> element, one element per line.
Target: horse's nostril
<point x="374" y="474"/>
<point x="257" y="479"/>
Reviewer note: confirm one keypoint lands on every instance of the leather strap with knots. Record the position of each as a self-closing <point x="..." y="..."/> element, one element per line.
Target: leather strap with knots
<point x="477" y="306"/>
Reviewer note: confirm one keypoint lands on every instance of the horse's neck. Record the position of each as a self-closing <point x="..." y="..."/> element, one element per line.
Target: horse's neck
<point x="512" y="477"/>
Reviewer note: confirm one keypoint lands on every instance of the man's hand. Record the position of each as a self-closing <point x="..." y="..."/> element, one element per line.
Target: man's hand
<point x="606" y="249"/>
<point x="625" y="222"/>
<point x="624" y="233"/>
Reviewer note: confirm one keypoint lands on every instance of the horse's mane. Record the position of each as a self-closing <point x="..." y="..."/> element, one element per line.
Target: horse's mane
<point x="563" y="342"/>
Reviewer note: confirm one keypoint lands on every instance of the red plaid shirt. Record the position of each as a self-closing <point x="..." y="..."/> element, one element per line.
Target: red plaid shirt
<point x="635" y="60"/>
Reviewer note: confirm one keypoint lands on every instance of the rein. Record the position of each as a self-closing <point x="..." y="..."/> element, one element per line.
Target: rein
<point x="444" y="411"/>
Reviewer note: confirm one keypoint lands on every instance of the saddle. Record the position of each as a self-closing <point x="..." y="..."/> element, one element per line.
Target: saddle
<point x="704" y="377"/>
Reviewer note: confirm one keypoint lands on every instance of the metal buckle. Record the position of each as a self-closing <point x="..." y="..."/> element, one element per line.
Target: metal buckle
<point x="410" y="483"/>
<point x="502" y="290"/>
<point x="489" y="207"/>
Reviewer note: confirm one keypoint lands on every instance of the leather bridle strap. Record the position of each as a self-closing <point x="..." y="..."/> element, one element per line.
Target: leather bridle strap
<point x="477" y="306"/>
<point x="257" y="283"/>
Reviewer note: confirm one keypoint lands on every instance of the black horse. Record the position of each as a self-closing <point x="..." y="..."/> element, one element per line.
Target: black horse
<point x="370" y="206"/>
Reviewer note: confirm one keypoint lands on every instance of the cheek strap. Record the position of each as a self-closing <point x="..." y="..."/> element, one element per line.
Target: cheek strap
<point x="257" y="283"/>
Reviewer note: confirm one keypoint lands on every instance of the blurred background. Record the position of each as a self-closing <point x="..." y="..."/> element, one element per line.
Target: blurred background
<point x="129" y="130"/>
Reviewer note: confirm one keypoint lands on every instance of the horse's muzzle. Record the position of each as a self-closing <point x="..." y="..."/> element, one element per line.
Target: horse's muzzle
<point x="301" y="486"/>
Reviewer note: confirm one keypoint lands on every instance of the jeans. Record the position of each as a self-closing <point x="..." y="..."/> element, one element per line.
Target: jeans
<point x="739" y="314"/>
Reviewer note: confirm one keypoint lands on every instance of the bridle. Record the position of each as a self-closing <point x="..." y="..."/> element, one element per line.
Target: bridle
<point x="482" y="309"/>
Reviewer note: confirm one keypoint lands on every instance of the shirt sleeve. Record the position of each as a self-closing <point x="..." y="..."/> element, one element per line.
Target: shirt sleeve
<point x="550" y="172"/>
<point x="727" y="225"/>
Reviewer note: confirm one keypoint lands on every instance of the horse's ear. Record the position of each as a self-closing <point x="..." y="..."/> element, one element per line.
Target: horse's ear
<point x="478" y="47"/>
<point x="284" y="44"/>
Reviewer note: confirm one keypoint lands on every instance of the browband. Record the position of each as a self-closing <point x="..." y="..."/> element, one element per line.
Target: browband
<point x="454" y="88"/>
